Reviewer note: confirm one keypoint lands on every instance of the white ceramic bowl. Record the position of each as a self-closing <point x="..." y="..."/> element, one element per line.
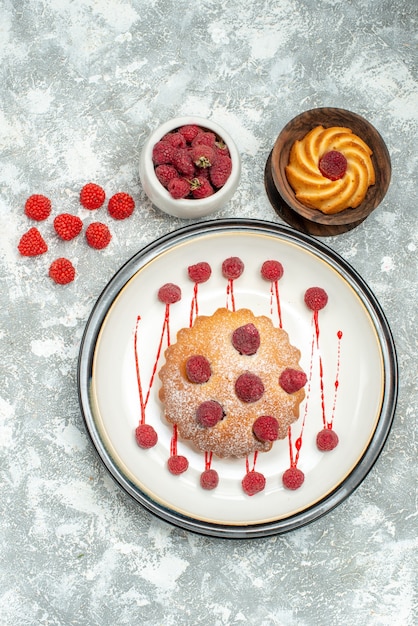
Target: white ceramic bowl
<point x="187" y="208"/>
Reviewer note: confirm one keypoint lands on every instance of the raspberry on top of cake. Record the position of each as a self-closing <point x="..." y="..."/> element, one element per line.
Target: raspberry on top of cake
<point x="222" y="383"/>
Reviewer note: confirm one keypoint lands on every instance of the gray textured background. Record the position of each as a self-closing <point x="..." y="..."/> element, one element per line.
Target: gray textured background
<point x="82" y="84"/>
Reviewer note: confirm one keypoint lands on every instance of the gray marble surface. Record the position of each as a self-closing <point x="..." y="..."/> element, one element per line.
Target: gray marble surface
<point x="83" y="82"/>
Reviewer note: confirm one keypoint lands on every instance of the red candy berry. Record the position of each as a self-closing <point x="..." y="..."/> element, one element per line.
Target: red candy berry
<point x="266" y="428"/>
<point x="200" y="272"/>
<point x="98" y="235"/>
<point x="272" y="270"/>
<point x="178" y="188"/>
<point x="232" y="268"/>
<point x="246" y="339"/>
<point x="291" y="380"/>
<point x="209" y="413"/>
<point x="146" y="436"/>
<point x="201" y="188"/>
<point x="249" y="387"/>
<point x="333" y="165"/>
<point x="165" y="173"/>
<point x="121" y="206"/>
<point x="198" y="369"/>
<point x="38" y="207"/>
<point x="293" y="478"/>
<point x="327" y="440"/>
<point x="62" y="271"/>
<point x="221" y="170"/>
<point x="253" y="483"/>
<point x="92" y="196"/>
<point x="209" y="479"/>
<point x="169" y="293"/>
<point x="67" y="226"/>
<point x="177" y="464"/>
<point x="316" y="298"/>
<point x="32" y="243"/>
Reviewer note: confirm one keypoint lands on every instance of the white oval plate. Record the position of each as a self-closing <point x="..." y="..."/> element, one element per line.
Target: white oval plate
<point x="362" y="361"/>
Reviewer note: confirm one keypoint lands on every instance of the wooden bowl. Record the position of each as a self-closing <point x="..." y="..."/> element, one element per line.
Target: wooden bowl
<point x="281" y="194"/>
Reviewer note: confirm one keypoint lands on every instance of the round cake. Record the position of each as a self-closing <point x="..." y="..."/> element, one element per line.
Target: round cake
<point x="232" y="383"/>
<point x="317" y="190"/>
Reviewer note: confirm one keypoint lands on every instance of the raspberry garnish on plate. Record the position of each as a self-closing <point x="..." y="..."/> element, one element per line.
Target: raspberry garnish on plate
<point x="169" y="293"/>
<point x="177" y="464"/>
<point x="246" y="339"/>
<point x="199" y="272"/>
<point x="232" y="268"/>
<point x="316" y="298"/>
<point x="293" y="478"/>
<point x="291" y="380"/>
<point x="146" y="436"/>
<point x="209" y="479"/>
<point x="253" y="482"/>
<point x="327" y="440"/>
<point x="272" y="270"/>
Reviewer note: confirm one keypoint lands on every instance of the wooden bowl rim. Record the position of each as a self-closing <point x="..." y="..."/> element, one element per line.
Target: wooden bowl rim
<point x="341" y="117"/>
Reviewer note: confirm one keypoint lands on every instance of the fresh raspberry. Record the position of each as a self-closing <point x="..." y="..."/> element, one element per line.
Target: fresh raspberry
<point x="316" y="298"/>
<point x="183" y="163"/>
<point x="62" y="271"/>
<point x="38" y="207"/>
<point x="121" y="206"/>
<point x="178" y="188"/>
<point x="198" y="369"/>
<point x="327" y="439"/>
<point x="221" y="148"/>
<point x="92" y="196"/>
<point x="98" y="235"/>
<point x="169" y="293"/>
<point x="205" y="137"/>
<point x="253" y="483"/>
<point x="209" y="413"/>
<point x="232" y="268"/>
<point x="201" y="188"/>
<point x="291" y="380"/>
<point x="209" y="479"/>
<point x="146" y="436"/>
<point x="162" y="152"/>
<point x="220" y="171"/>
<point x="177" y="464"/>
<point x="200" y="272"/>
<point x="175" y="139"/>
<point x="333" y="165"/>
<point x="272" y="270"/>
<point x="189" y="131"/>
<point x="246" y="339"/>
<point x="293" y="478"/>
<point x="266" y="428"/>
<point x="249" y="387"/>
<point x="203" y="155"/>
<point x="165" y="173"/>
<point x="32" y="243"/>
<point x="67" y="226"/>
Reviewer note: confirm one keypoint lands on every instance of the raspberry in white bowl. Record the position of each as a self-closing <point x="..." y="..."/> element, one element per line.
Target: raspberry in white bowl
<point x="190" y="167"/>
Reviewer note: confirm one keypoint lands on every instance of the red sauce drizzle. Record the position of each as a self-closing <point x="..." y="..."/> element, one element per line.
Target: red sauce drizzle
<point x="194" y="309"/>
<point x="138" y="376"/>
<point x="230" y="298"/>
<point x="247" y="462"/>
<point x="208" y="460"/>
<point x="274" y="295"/>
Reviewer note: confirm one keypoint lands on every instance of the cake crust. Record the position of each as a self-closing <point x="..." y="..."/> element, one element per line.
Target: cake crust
<point x="211" y="337"/>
